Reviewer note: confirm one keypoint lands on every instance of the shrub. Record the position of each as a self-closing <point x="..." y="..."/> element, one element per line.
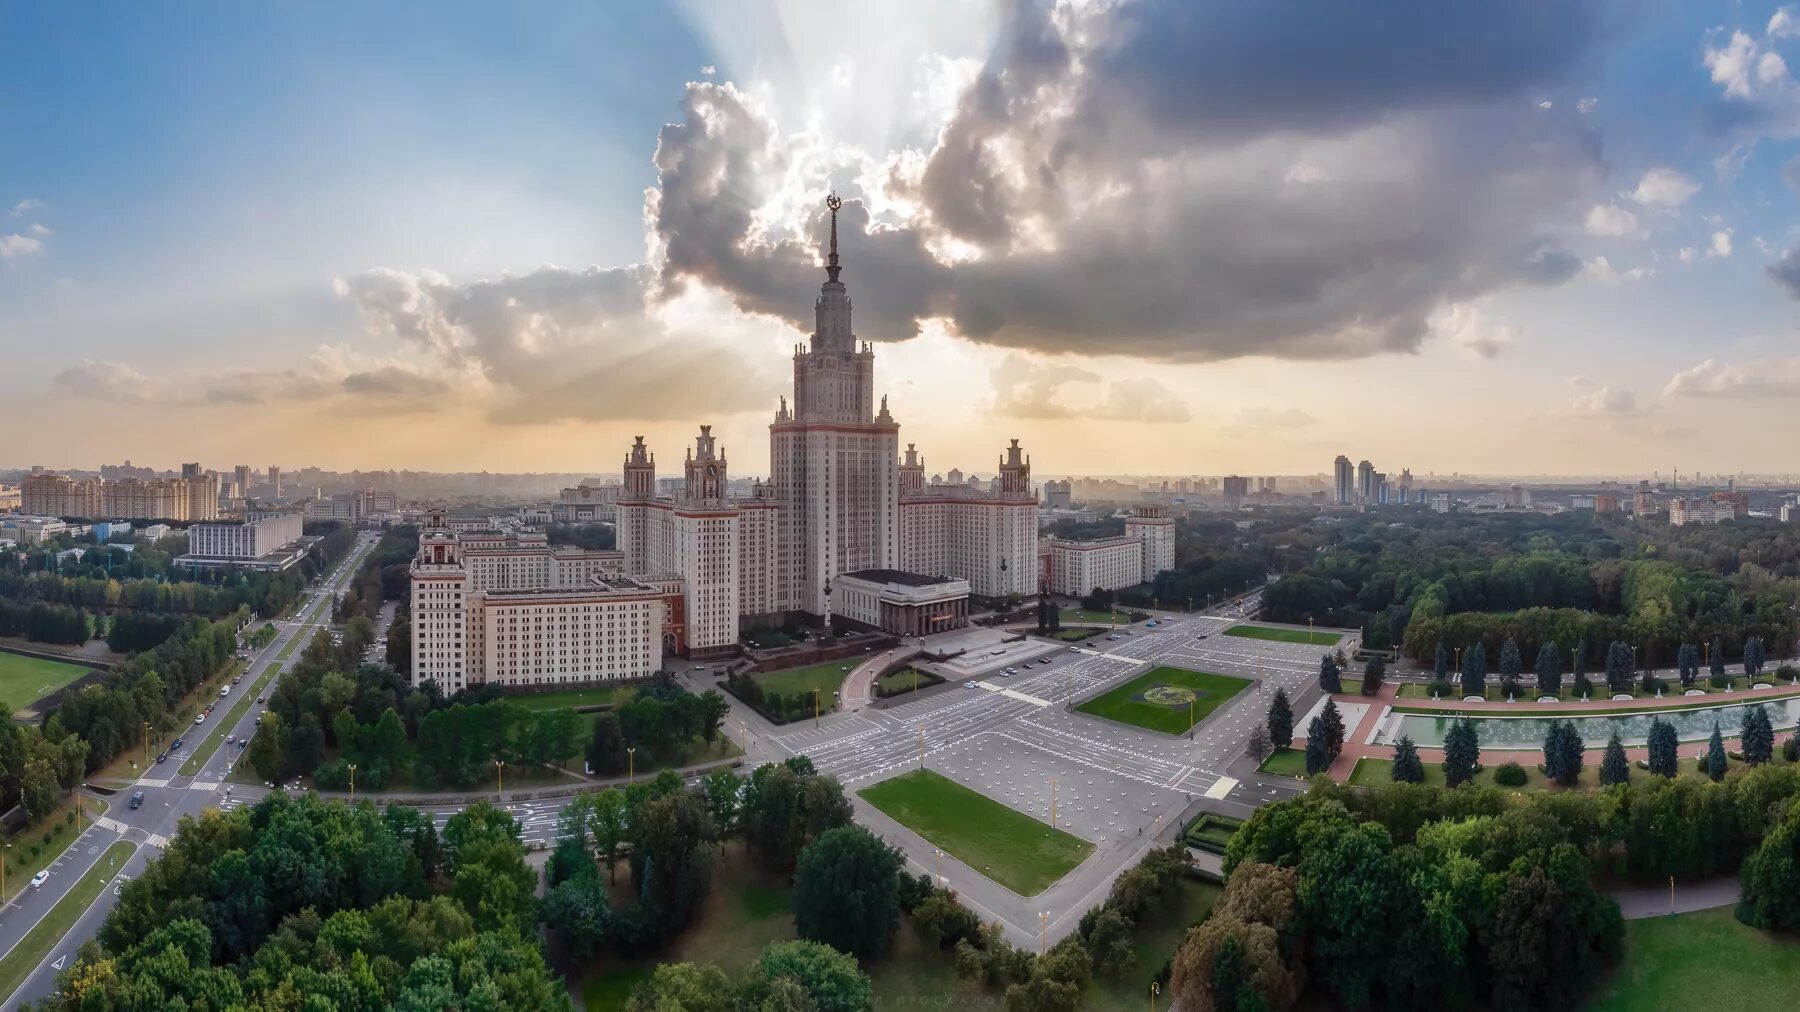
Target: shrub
<point x="1719" y="681"/>
<point x="1510" y="775"/>
<point x="1790" y="749"/>
<point x="1787" y="671"/>
<point x="1443" y="690"/>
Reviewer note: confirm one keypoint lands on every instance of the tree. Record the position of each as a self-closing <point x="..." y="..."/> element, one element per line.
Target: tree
<point x="1474" y="671"/>
<point x="1549" y="669"/>
<point x="1257" y="745"/>
<point x="1717" y="662"/>
<point x="1552" y="934"/>
<point x="1281" y="720"/>
<point x="1334" y="727"/>
<point x="1757" y="736"/>
<point x="1753" y="656"/>
<point x="1662" y="744"/>
<point x="1462" y="752"/>
<point x="607" y="815"/>
<point x="1687" y="662"/>
<point x="1318" y="747"/>
<point x="1771" y="876"/>
<point x="266" y="748"/>
<point x="1407" y="767"/>
<point x="830" y="979"/>
<point x="1563" y="753"/>
<point x="1618" y="667"/>
<point x="1440" y="662"/>
<point x="689" y="987"/>
<point x="847" y="892"/>
<point x="1511" y="662"/>
<point x="606" y="749"/>
<point x="1373" y="673"/>
<point x="1329" y="680"/>
<point x="1715" y="755"/>
<point x="1614" y="767"/>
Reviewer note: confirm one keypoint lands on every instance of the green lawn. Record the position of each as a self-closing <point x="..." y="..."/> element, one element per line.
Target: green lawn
<point x="1006" y="845"/>
<point x="1379" y="773"/>
<point x="1183" y="699"/>
<point x="904" y="680"/>
<point x="1074" y="633"/>
<point x="1263" y="632"/>
<point x="42" y="939"/>
<point x="567" y="699"/>
<point x="1286" y="762"/>
<point x="1701" y="960"/>
<point x="824" y="677"/>
<point x="24" y="680"/>
<point x="1103" y="618"/>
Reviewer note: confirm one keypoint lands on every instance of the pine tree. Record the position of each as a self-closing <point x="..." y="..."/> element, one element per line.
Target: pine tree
<point x="1662" y="744"/>
<point x="1753" y="656"/>
<point x="1758" y="736"/>
<point x="1328" y="675"/>
<point x="1715" y="755"/>
<point x="1407" y="767"/>
<point x="1374" y="673"/>
<point x="1718" y="656"/>
<point x="1334" y="727"/>
<point x="1318" y="749"/>
<point x="1474" y="672"/>
<point x="1687" y="660"/>
<point x="1618" y="667"/>
<point x="1614" y="768"/>
<point x="1258" y="746"/>
<point x="1440" y="664"/>
<point x="1511" y="662"/>
<point x="1549" y="669"/>
<point x="1462" y="752"/>
<point x="1563" y="753"/>
<point x="1580" y="669"/>
<point x="1281" y="720"/>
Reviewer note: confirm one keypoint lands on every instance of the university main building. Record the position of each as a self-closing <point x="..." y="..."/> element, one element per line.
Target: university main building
<point x="846" y="525"/>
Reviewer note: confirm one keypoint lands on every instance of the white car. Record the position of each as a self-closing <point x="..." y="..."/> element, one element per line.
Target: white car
<point x="199" y="718"/>
<point x="969" y="685"/>
<point x="38" y="880"/>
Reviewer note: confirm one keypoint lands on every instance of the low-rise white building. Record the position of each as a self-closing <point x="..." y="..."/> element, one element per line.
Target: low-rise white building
<point x="28" y="530"/>
<point x="901" y="603"/>
<point x="266" y="541"/>
<point x="1145" y="549"/>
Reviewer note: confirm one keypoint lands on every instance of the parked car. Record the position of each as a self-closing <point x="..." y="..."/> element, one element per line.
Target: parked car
<point x="1150" y="624"/>
<point x="137" y="799"/>
<point x="200" y="718"/>
<point x="162" y="757"/>
<point x="175" y="746"/>
<point x="231" y="739"/>
<point x="259" y="699"/>
<point x="38" y="880"/>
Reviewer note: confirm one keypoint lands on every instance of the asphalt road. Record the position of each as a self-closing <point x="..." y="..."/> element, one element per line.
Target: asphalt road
<point x="167" y="794"/>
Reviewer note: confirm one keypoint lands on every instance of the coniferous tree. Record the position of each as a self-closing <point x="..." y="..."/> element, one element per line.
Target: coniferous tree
<point x="1563" y="753"/>
<point x="1462" y="752"/>
<point x="1440" y="662"/>
<point x="1318" y="748"/>
<point x="1758" y="736"/>
<point x="1687" y="661"/>
<point x="1407" y="767"/>
<point x="1549" y="669"/>
<point x="1715" y="755"/>
<point x="1328" y="675"/>
<point x="1258" y="745"/>
<point x="1753" y="656"/>
<point x="1511" y="662"/>
<point x="1281" y="720"/>
<point x="1614" y="768"/>
<point x="1474" y="671"/>
<point x="1662" y="744"/>
<point x="1334" y="727"/>
<point x="1618" y="667"/>
<point x="1717" y="665"/>
<point x="1374" y="673"/>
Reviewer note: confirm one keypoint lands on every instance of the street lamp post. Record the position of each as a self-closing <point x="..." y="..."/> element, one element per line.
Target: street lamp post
<point x="146" y="745"/>
<point x="1155" y="989"/>
<point x="1043" y="930"/>
<point x="353" y="783"/>
<point x="940" y="863"/>
<point x="500" y="777"/>
<point x="815" y="707"/>
<point x="922" y="745"/>
<point x="631" y="765"/>
<point x="1052" y="802"/>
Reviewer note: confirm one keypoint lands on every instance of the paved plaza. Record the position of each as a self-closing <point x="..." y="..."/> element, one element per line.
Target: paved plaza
<point x="1019" y="741"/>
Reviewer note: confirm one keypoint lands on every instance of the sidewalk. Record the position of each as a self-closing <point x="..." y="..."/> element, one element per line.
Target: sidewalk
<point x="1654" y="901"/>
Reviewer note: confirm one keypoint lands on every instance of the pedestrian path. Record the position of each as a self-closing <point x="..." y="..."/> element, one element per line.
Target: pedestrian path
<point x="1012" y="694"/>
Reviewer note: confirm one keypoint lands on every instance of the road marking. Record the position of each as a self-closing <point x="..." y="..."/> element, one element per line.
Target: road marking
<point x="1011" y="694"/>
<point x="204" y="785"/>
<point x="60" y="960"/>
<point x="157" y="841"/>
<point x="1220" y="788"/>
<point x="147" y="782"/>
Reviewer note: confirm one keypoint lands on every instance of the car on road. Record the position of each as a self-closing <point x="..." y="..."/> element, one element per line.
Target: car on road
<point x="228" y="768"/>
<point x="38" y="880"/>
<point x="200" y="718"/>
<point x="231" y="739"/>
<point x="137" y="799"/>
<point x="969" y="685"/>
<point x="1114" y="636"/>
<point x="1150" y="624"/>
<point x="162" y="757"/>
<point x="1201" y="636"/>
<point x="242" y="743"/>
<point x="259" y="699"/>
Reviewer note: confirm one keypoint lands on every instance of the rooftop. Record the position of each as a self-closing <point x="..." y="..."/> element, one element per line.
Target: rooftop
<point x="898" y="576"/>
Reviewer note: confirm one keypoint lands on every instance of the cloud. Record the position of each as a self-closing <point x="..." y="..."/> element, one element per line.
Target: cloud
<point x="1602" y="270"/>
<point x="363" y="385"/>
<point x="1469" y="329"/>
<point x="1686" y="254"/>
<point x="16" y="245"/>
<point x="1744" y="66"/>
<point x="106" y="381"/>
<point x="1587" y="105"/>
<point x="24" y="207"/>
<point x="1121" y="176"/>
<point x="1610" y="220"/>
<point x="1664" y="188"/>
<point x="1768" y="377"/>
<point x="1786" y="272"/>
<point x="1605" y="400"/>
<point x="1721" y="244"/>
<point x="1025" y="388"/>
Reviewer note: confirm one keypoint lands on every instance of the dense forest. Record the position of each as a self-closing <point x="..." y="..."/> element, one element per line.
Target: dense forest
<point x="1568" y="579"/>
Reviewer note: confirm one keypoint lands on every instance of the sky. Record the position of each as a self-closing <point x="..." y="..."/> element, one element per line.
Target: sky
<point x="1140" y="236"/>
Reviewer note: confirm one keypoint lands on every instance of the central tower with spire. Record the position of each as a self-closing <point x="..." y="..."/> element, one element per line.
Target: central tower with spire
<point x="834" y="457"/>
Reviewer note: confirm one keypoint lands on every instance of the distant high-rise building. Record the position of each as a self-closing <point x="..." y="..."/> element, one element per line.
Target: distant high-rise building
<point x="1738" y="501"/>
<point x="1405" y="485"/>
<point x="190" y="470"/>
<point x="275" y="480"/>
<point x="241" y="475"/>
<point x="1643" y="502"/>
<point x="1365" y="482"/>
<point x="1345" y="477"/>
<point x="1236" y="490"/>
<point x="1058" y="495"/>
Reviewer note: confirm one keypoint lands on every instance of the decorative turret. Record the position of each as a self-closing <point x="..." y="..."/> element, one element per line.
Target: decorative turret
<point x="640" y="472"/>
<point x="705" y="469"/>
<point x="912" y="471"/>
<point x="1015" y="472"/>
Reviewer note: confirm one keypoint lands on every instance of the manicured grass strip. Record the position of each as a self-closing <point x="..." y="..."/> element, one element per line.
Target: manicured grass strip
<point x="568" y="699"/>
<point x="825" y="677"/>
<point x="1311" y="637"/>
<point x="25" y="679"/>
<point x="1380" y="773"/>
<point x="1120" y="617"/>
<point x="1073" y="633"/>
<point x="1704" y="960"/>
<point x="1169" y="710"/>
<point x="1286" y="762"/>
<point x="42" y="939"/>
<point x="246" y="694"/>
<point x="1008" y="846"/>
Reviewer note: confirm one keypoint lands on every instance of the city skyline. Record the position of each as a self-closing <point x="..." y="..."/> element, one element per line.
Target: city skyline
<point x="489" y="250"/>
